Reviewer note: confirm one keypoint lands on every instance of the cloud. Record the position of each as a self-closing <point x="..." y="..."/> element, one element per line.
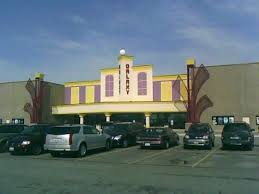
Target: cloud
<point x="77" y="19"/>
<point x="249" y="7"/>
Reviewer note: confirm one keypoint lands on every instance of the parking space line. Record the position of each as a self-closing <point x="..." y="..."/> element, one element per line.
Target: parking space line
<point x="107" y="153"/>
<point x="153" y="155"/>
<point x="205" y="157"/>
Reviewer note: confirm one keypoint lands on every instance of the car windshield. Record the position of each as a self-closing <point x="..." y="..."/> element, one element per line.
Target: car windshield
<point x="31" y="130"/>
<point x="11" y="128"/>
<point x="63" y="130"/>
<point x="236" y="127"/>
<point x="115" y="128"/>
<point x="198" y="128"/>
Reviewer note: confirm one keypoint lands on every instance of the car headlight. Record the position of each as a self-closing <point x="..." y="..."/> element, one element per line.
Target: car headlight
<point x="26" y="142"/>
<point x="205" y="137"/>
<point x="117" y="137"/>
<point x="186" y="136"/>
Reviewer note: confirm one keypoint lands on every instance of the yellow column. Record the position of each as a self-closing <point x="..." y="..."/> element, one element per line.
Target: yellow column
<point x="81" y="116"/>
<point x="166" y="91"/>
<point x="147" y="115"/>
<point x="75" y="95"/>
<point x="108" y="117"/>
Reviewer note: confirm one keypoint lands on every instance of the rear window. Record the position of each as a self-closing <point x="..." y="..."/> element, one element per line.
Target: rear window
<point x="63" y="130"/>
<point x="236" y="127"/>
<point x="11" y="128"/>
<point x="198" y="128"/>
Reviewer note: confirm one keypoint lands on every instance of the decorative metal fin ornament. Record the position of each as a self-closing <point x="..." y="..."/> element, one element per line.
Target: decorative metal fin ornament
<point x="197" y="76"/>
<point x="36" y="93"/>
<point x="203" y="103"/>
<point x="182" y="97"/>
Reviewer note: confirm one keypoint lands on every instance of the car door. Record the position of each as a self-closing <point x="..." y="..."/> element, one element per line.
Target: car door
<point x="172" y="135"/>
<point x="90" y="137"/>
<point x="100" y="138"/>
<point x="212" y="134"/>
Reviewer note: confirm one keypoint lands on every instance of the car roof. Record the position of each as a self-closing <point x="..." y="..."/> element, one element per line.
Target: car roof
<point x="71" y="125"/>
<point x="158" y="127"/>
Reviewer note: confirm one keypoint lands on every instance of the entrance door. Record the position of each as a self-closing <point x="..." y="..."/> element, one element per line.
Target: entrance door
<point x="246" y="120"/>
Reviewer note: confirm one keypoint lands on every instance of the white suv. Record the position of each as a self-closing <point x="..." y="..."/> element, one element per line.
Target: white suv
<point x="75" y="138"/>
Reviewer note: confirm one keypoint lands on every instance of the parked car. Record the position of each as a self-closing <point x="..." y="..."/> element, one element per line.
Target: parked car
<point x="199" y="134"/>
<point x="76" y="139"/>
<point x="6" y="132"/>
<point x="163" y="137"/>
<point x="123" y="134"/>
<point x="237" y="134"/>
<point x="30" y="140"/>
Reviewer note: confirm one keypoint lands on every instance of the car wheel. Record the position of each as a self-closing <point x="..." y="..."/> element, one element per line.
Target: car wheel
<point x="142" y="147"/>
<point x="82" y="150"/>
<point x="166" y="145"/>
<point x="185" y="146"/>
<point x="209" y="146"/>
<point x="36" y="150"/>
<point x="213" y="144"/>
<point x="55" y="154"/>
<point x="3" y="147"/>
<point x="125" y="143"/>
<point x="224" y="146"/>
<point x="250" y="147"/>
<point x="108" y="145"/>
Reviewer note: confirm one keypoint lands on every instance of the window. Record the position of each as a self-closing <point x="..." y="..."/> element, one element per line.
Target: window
<point x="222" y="120"/>
<point x="87" y="130"/>
<point x="17" y="121"/>
<point x="90" y="130"/>
<point x="257" y="120"/>
<point x="109" y="85"/>
<point x="142" y="83"/>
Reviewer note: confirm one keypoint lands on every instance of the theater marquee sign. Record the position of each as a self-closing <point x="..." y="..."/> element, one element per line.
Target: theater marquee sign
<point x="127" y="78"/>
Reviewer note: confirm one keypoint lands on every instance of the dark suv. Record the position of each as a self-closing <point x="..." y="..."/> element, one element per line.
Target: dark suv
<point x="124" y="134"/>
<point x="31" y="140"/>
<point x="199" y="134"/>
<point x="6" y="132"/>
<point x="237" y="134"/>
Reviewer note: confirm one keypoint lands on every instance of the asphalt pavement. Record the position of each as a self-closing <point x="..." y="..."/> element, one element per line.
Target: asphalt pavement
<point x="133" y="170"/>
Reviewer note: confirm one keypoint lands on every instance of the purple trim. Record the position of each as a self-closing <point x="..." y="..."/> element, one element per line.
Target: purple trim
<point x="176" y="90"/>
<point x="97" y="93"/>
<point x="109" y="85"/>
<point x="157" y="91"/>
<point x="82" y="94"/>
<point x="142" y="83"/>
<point x="67" y="95"/>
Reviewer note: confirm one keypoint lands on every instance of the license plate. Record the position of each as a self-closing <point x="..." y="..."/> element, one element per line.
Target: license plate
<point x="196" y="142"/>
<point x="54" y="140"/>
<point x="147" y="144"/>
<point x="11" y="149"/>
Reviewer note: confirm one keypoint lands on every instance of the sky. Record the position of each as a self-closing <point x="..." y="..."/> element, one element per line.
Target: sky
<point x="72" y="40"/>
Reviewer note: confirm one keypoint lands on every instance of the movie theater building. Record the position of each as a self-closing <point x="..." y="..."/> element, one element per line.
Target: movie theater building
<point x="126" y="92"/>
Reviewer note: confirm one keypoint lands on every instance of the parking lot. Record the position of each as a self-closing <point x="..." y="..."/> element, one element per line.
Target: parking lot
<point x="174" y="170"/>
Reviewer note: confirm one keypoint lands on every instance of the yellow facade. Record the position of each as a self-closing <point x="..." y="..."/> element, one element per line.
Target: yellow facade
<point x="168" y="77"/>
<point x="75" y="95"/>
<point x="183" y="90"/>
<point x="166" y="91"/>
<point x="89" y="94"/>
<point x="82" y="83"/>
